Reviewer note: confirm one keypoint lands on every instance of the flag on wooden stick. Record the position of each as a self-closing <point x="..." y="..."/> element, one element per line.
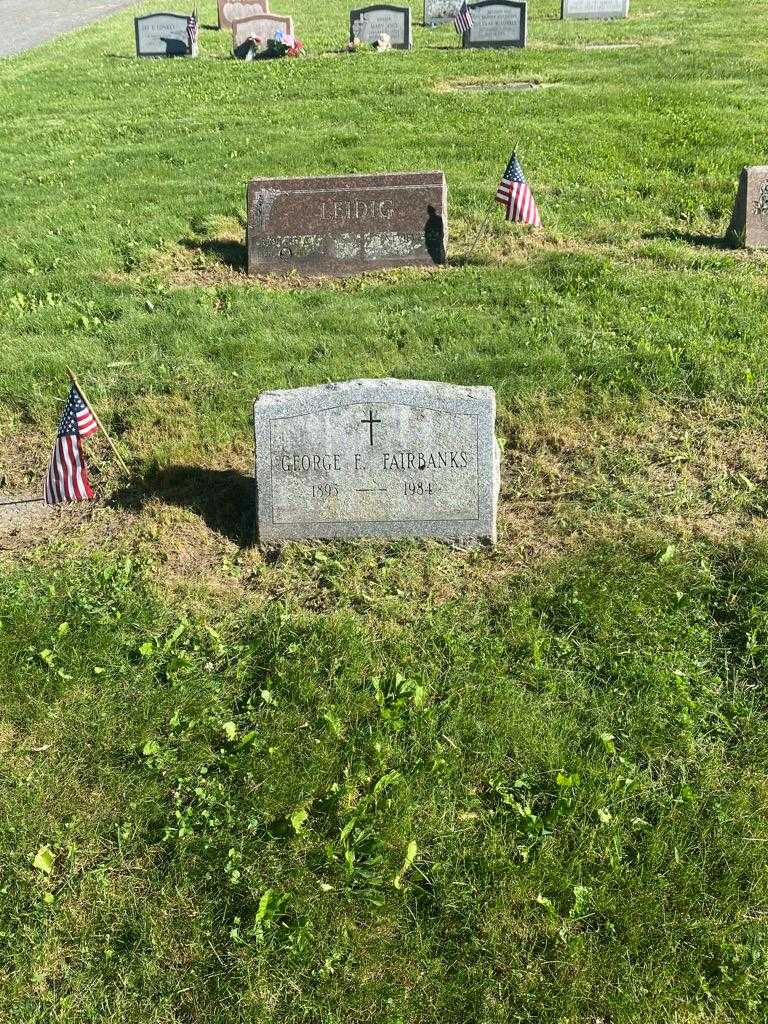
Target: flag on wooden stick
<point x="192" y="27"/>
<point x="514" y="193"/>
<point x="67" y="478"/>
<point x="463" y="20"/>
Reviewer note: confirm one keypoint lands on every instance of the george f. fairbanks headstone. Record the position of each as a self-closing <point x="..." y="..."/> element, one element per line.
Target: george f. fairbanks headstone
<point x="749" y="223"/>
<point x="594" y="9"/>
<point x="346" y="224"/>
<point x="377" y="458"/>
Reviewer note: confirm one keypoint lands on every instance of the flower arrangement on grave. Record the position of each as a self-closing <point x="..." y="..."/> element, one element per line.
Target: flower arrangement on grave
<point x="384" y="42"/>
<point x="282" y="45"/>
<point x="285" y="45"/>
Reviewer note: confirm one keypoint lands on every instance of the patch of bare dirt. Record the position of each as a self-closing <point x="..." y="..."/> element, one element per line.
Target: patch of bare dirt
<point x="180" y="268"/>
<point x="571" y="477"/>
<point x="491" y="85"/>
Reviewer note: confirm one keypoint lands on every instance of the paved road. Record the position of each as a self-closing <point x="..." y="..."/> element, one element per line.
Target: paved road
<point x="27" y="23"/>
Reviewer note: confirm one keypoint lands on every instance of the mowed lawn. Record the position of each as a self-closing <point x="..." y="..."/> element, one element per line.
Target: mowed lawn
<point x="392" y="783"/>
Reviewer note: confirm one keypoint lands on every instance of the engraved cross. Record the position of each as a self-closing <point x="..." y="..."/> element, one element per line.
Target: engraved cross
<point x="370" y="421"/>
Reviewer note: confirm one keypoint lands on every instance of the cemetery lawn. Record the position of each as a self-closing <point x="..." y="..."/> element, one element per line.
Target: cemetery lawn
<point x="396" y="783"/>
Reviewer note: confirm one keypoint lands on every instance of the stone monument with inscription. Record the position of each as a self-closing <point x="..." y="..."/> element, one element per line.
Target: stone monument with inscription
<point x="260" y="26"/>
<point x="497" y="23"/>
<point x="749" y="223"/>
<point x="594" y="9"/>
<point x="377" y="458"/>
<point x="440" y="12"/>
<point x="163" y="35"/>
<point x="368" y="23"/>
<point x="346" y="224"/>
<point x="230" y="11"/>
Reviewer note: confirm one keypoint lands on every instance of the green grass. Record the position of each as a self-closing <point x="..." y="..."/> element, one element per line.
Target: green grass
<point x="229" y="759"/>
<point x="230" y="801"/>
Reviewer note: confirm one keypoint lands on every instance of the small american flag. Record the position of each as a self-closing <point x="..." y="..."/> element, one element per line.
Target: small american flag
<point x="514" y="193"/>
<point x="192" y="30"/>
<point x="67" y="478"/>
<point x="463" y="20"/>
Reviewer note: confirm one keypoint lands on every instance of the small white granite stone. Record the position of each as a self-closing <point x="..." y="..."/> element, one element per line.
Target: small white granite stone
<point x="594" y="8"/>
<point x="440" y="12"/>
<point x="377" y="458"/>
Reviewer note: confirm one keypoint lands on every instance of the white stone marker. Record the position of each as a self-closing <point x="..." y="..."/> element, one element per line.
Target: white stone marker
<point x="377" y="458"/>
<point x="594" y="8"/>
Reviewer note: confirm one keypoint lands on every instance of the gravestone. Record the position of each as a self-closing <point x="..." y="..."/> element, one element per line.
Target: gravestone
<point x="262" y="26"/>
<point x="497" y="23"/>
<point x="749" y="223"/>
<point x="229" y="11"/>
<point x="594" y="8"/>
<point x="376" y="458"/>
<point x="162" y="35"/>
<point x="346" y="224"/>
<point x="439" y="12"/>
<point x="368" y="23"/>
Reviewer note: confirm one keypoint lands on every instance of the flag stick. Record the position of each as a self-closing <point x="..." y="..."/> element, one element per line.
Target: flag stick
<point x="118" y="456"/>
<point x="479" y="233"/>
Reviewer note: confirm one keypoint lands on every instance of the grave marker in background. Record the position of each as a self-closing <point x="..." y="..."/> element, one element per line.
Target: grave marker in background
<point x="346" y="224"/>
<point x="594" y="8"/>
<point x="377" y="458"/>
<point x="497" y="23"/>
<point x="749" y="223"/>
<point x="162" y="35"/>
<point x="440" y="12"/>
<point x="262" y="26"/>
<point x="230" y="11"/>
<point x="368" y="23"/>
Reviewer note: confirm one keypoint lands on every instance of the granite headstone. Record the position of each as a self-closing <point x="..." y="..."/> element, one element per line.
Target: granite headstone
<point x="497" y="23"/>
<point x="229" y="11"/>
<point x="594" y="8"/>
<point x="261" y="26"/>
<point x="368" y="23"/>
<point x="749" y="223"/>
<point x="440" y="12"/>
<point x="346" y="224"/>
<point x="162" y="35"/>
<point x="377" y="458"/>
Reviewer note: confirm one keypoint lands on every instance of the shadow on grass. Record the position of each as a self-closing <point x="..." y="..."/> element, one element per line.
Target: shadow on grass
<point x="706" y="241"/>
<point x="471" y="259"/>
<point x="223" y="498"/>
<point x="227" y="251"/>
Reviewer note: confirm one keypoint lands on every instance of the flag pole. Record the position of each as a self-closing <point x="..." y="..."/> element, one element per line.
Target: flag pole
<point x="479" y="233"/>
<point x="112" y="445"/>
